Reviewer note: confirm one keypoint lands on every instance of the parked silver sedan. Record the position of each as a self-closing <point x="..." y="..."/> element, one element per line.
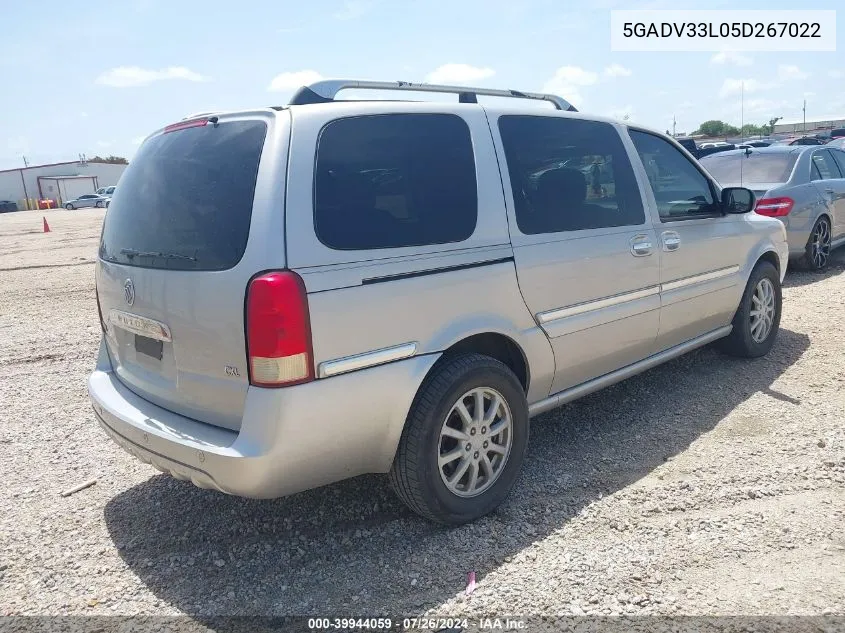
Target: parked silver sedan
<point x="87" y="200"/>
<point x="802" y="185"/>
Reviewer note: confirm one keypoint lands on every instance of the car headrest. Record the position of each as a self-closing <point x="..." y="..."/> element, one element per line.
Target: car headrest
<point x="561" y="187"/>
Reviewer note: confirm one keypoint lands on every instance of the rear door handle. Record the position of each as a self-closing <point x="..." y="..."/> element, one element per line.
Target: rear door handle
<point x="671" y="241"/>
<point x="641" y="246"/>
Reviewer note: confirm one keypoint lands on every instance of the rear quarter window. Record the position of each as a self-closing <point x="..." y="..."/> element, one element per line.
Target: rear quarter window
<point x="394" y="180"/>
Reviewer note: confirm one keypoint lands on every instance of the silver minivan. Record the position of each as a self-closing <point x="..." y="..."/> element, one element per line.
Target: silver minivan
<point x="296" y="295"/>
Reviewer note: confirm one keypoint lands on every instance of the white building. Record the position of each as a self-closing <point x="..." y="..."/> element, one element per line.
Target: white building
<point x="57" y="182"/>
<point x="812" y="125"/>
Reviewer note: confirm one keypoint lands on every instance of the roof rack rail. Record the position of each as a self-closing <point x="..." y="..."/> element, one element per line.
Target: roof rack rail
<point x="326" y="90"/>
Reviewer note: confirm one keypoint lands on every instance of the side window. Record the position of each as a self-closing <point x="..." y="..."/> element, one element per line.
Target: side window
<point x="824" y="166"/>
<point x="394" y="180"/>
<point x="680" y="189"/>
<point x="569" y="175"/>
<point x="839" y="155"/>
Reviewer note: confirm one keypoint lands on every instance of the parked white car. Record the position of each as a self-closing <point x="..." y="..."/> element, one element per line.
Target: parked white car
<point x="87" y="200"/>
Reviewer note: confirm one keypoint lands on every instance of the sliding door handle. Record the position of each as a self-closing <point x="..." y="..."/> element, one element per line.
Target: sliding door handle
<point x="671" y="241"/>
<point x="641" y="246"/>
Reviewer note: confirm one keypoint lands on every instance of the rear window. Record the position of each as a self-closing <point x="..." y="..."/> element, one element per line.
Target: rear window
<point x="753" y="168"/>
<point x="394" y="180"/>
<point x="185" y="200"/>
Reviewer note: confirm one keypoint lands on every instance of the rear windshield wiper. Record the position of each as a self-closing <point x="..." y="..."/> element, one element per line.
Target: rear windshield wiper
<point x="131" y="252"/>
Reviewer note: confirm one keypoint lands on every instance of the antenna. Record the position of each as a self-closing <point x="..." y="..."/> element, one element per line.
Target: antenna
<point x="741" y="123"/>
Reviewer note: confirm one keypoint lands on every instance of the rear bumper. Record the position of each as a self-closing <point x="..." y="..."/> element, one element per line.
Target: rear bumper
<point x="290" y="439"/>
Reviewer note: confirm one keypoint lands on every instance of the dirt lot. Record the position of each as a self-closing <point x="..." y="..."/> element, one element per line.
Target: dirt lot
<point x="706" y="486"/>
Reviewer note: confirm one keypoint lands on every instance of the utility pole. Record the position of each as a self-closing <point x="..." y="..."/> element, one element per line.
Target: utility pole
<point x="805" y="117"/>
<point x="674" y="123"/>
<point x="25" y="164"/>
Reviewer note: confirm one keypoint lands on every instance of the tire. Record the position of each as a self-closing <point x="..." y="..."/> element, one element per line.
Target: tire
<point x="416" y="475"/>
<point x="69" y="206"/>
<point x="817" y="250"/>
<point x="99" y="204"/>
<point x="742" y="341"/>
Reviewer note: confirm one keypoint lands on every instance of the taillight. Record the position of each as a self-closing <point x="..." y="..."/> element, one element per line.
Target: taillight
<point x="774" y="207"/>
<point x="278" y="331"/>
<point x="185" y="124"/>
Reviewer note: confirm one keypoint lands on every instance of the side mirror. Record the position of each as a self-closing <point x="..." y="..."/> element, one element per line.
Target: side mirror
<point x="737" y="200"/>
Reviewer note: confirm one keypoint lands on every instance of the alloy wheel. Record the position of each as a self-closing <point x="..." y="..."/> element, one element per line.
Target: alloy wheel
<point x="762" y="313"/>
<point x="820" y="244"/>
<point x="475" y="442"/>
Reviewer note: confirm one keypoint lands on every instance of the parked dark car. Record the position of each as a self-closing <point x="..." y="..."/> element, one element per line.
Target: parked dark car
<point x="837" y="133"/>
<point x="804" y="140"/>
<point x="689" y="145"/>
<point x="8" y="206"/>
<point x="706" y="151"/>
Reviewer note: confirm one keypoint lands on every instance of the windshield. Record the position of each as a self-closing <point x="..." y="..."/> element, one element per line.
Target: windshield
<point x="753" y="168"/>
<point x="185" y="201"/>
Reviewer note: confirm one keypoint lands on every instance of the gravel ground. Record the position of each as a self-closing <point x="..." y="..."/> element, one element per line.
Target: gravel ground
<point x="706" y="486"/>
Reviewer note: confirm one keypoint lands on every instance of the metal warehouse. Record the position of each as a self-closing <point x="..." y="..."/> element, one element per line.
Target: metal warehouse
<point x="32" y="187"/>
<point x="799" y="125"/>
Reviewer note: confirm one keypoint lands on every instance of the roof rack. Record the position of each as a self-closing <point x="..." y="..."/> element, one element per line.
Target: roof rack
<point x="326" y="90"/>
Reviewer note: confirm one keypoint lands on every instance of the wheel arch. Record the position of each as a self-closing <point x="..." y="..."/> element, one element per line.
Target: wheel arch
<point x="495" y="345"/>
<point x="772" y="257"/>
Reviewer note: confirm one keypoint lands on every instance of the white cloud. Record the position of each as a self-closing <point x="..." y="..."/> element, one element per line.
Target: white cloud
<point x="685" y="105"/>
<point x="288" y="82"/>
<point x="353" y="9"/>
<point x="732" y="87"/>
<point x="768" y="107"/>
<point x="835" y="74"/>
<point x="458" y="73"/>
<point x="103" y="144"/>
<point x="617" y="70"/>
<point x="790" y="71"/>
<point x="132" y="76"/>
<point x="567" y="82"/>
<point x="731" y="57"/>
<point x="138" y="140"/>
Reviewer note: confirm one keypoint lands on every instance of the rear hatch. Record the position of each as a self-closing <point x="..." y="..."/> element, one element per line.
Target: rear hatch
<point x="176" y="257"/>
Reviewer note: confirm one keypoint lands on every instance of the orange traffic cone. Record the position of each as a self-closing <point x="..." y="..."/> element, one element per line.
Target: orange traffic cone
<point x="46" y="226"/>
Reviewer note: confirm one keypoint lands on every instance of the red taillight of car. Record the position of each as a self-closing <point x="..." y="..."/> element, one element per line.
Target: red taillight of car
<point x="278" y="331"/>
<point x="185" y="124"/>
<point x="774" y="207"/>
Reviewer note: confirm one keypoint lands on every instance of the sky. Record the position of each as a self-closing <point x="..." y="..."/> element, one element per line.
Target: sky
<point x="96" y="77"/>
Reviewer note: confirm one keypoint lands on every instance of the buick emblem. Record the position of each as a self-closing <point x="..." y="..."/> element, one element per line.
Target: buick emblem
<point x="129" y="292"/>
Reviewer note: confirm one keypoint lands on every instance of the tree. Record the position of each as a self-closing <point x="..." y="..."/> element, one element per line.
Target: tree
<point x="772" y="122"/>
<point x="749" y="129"/>
<point x="712" y="128"/>
<point x="112" y="160"/>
